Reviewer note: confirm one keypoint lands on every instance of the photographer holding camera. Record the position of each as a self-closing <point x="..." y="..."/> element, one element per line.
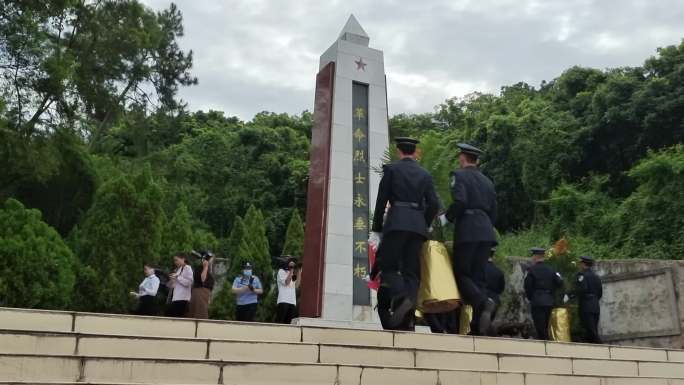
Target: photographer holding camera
<point x="288" y="282"/>
<point x="203" y="284"/>
<point x="246" y="288"/>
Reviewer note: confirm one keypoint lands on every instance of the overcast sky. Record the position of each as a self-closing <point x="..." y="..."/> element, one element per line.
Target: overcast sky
<point x="257" y="55"/>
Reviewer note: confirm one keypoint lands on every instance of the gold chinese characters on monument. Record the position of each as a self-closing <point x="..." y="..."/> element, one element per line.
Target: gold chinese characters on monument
<point x="360" y="204"/>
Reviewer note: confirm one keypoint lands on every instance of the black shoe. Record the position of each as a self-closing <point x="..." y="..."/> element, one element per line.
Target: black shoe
<point x="486" y="316"/>
<point x="399" y="312"/>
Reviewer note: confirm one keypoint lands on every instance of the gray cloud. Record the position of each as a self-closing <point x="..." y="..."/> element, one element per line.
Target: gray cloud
<point x="254" y="55"/>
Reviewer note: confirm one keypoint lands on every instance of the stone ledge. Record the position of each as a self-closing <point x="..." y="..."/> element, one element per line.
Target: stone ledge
<point x="61" y="322"/>
<point x="68" y="370"/>
<point x="94" y="345"/>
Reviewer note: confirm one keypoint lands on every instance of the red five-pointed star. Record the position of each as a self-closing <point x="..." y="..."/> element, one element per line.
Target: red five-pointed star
<point x="360" y="65"/>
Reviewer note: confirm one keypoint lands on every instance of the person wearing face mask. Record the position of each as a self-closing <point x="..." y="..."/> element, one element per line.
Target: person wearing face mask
<point x="147" y="292"/>
<point x="247" y="289"/>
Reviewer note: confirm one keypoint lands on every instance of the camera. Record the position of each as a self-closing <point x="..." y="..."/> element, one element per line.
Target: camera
<point x="202" y="255"/>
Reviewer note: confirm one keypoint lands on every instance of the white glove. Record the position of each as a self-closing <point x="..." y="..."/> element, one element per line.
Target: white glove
<point x="375" y="239"/>
<point x="566" y="299"/>
<point x="443" y="220"/>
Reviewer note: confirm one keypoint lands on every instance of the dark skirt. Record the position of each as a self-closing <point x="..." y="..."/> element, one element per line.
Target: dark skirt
<point x="199" y="303"/>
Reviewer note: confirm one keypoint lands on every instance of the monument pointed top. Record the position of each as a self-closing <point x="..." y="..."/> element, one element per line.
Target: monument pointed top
<point x="354" y="32"/>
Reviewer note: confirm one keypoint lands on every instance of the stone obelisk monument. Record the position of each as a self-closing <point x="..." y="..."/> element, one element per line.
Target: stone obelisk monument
<point x="349" y="140"/>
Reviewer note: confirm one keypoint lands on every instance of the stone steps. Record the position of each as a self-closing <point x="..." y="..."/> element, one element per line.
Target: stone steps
<point x="48" y="347"/>
<point x="428" y="357"/>
<point x="204" y="330"/>
<point x="50" y="369"/>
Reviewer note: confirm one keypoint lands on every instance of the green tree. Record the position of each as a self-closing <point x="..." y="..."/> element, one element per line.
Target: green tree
<point x="650" y="222"/>
<point x="61" y="185"/>
<point x="69" y="60"/>
<point x="257" y="242"/>
<point x="38" y="267"/>
<point x="121" y="230"/>
<point x="255" y="227"/>
<point x="217" y="170"/>
<point x="178" y="234"/>
<point x="223" y="304"/>
<point x="247" y="242"/>
<point x="239" y="253"/>
<point x="203" y="239"/>
<point x="294" y="237"/>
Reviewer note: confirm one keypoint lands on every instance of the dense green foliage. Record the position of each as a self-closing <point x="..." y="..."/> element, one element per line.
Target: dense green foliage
<point x="648" y="223"/>
<point x="38" y="268"/>
<point x="248" y="243"/>
<point x="294" y="237"/>
<point x="93" y="136"/>
<point x="122" y="230"/>
<point x="588" y="154"/>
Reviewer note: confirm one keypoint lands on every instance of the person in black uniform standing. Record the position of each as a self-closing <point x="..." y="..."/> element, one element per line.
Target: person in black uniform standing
<point x="410" y="192"/>
<point x="588" y="291"/>
<point x="473" y="213"/>
<point x="541" y="283"/>
<point x="496" y="282"/>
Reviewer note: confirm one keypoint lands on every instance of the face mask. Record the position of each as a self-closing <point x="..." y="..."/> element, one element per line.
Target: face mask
<point x="247" y="273"/>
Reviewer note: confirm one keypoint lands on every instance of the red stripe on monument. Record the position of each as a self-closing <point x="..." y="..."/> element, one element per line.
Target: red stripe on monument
<point x="317" y="196"/>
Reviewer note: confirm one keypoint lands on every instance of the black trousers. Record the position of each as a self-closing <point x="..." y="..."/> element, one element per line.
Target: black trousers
<point x="470" y="262"/>
<point x="177" y="309"/>
<point x="399" y="261"/>
<point x="245" y="313"/>
<point x="285" y="313"/>
<point x="147" y="305"/>
<point x="589" y="323"/>
<point x="541" y="315"/>
<point x="441" y="323"/>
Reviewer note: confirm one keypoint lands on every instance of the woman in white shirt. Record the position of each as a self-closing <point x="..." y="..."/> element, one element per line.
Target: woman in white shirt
<point x="180" y="282"/>
<point x="288" y="282"/>
<point x="147" y="292"/>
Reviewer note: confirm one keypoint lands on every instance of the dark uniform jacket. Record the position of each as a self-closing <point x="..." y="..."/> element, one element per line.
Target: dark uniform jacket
<point x="411" y="194"/>
<point x="473" y="210"/>
<point x="496" y="282"/>
<point x="541" y="283"/>
<point x="588" y="290"/>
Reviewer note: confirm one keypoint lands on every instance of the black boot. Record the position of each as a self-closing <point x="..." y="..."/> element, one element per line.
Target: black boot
<point x="485" y="321"/>
<point x="401" y="307"/>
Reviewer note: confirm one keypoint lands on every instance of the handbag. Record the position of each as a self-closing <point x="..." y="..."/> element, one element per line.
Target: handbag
<point x="169" y="297"/>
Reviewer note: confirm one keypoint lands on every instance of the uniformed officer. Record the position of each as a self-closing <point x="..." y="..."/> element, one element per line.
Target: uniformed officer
<point x="588" y="291"/>
<point x="473" y="212"/>
<point x="413" y="204"/>
<point x="496" y="282"/>
<point x="541" y="283"/>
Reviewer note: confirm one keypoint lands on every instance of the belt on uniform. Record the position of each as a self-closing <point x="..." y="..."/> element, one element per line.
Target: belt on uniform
<point x="472" y="211"/>
<point x="412" y="205"/>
